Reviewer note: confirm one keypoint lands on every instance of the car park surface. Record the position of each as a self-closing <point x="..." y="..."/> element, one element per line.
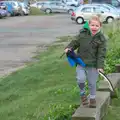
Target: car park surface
<point x="20" y="37"/>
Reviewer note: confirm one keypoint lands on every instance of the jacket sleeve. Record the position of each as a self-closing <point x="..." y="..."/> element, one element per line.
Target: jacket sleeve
<point x="101" y="53"/>
<point x="74" y="44"/>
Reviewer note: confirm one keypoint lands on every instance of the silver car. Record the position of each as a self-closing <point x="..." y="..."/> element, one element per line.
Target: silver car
<point x="85" y="12"/>
<point x="38" y="4"/>
<point x="57" y="7"/>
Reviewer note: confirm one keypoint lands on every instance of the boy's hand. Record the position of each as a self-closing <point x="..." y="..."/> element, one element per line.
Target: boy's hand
<point x="67" y="49"/>
<point x="100" y="69"/>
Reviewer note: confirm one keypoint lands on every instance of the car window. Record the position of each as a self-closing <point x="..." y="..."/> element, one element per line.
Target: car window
<point x="39" y="3"/>
<point x="1" y="3"/>
<point x="86" y="9"/>
<point x="52" y="3"/>
<point x="105" y="9"/>
<point x="59" y="4"/>
<point x="97" y="9"/>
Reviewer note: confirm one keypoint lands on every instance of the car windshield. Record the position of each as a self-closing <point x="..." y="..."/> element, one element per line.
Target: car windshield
<point x="2" y="4"/>
<point x="77" y="8"/>
<point x="111" y="6"/>
<point x="106" y="7"/>
<point x="114" y="9"/>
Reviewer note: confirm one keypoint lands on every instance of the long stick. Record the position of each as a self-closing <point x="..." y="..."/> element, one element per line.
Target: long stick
<point x="107" y="79"/>
<point x="62" y="55"/>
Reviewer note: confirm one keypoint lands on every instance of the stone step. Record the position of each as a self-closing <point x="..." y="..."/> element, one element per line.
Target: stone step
<point x="115" y="80"/>
<point x="84" y="113"/>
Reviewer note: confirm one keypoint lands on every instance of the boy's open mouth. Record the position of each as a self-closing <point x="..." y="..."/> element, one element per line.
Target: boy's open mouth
<point x="94" y="31"/>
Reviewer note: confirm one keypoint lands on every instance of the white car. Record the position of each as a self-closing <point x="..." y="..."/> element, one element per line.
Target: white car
<point x="85" y="12"/>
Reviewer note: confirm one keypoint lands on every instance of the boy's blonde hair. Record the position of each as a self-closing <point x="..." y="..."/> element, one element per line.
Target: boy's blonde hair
<point x="95" y="18"/>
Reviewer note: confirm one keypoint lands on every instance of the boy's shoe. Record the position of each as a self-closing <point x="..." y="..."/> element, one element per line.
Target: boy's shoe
<point x="92" y="103"/>
<point x="84" y="100"/>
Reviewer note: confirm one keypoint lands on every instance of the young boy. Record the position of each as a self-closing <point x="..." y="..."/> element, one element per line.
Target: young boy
<point x="91" y="48"/>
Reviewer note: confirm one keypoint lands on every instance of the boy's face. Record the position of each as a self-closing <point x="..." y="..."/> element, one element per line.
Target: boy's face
<point x="94" y="26"/>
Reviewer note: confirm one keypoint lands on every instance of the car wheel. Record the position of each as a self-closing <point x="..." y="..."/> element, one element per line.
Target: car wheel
<point x="22" y="13"/>
<point x="70" y="11"/>
<point x="48" y="11"/>
<point x="80" y="20"/>
<point x="109" y="19"/>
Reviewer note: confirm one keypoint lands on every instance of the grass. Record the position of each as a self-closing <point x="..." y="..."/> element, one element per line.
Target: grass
<point x="47" y="89"/>
<point x="114" y="110"/>
<point x="30" y="93"/>
<point x="35" y="11"/>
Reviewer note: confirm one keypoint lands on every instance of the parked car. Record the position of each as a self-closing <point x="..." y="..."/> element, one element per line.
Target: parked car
<point x="85" y="12"/>
<point x="115" y="3"/>
<point x="38" y="4"/>
<point x="8" y="7"/>
<point x="74" y="3"/>
<point x="57" y="7"/>
<point x="25" y="8"/>
<point x="2" y="5"/>
<point x="3" y="13"/>
<point x="16" y="7"/>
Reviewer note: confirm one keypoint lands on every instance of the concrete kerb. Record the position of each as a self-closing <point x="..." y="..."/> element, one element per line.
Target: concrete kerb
<point x="85" y="113"/>
<point x="103" y="102"/>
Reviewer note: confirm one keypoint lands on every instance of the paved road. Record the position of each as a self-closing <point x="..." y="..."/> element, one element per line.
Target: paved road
<point x="20" y="36"/>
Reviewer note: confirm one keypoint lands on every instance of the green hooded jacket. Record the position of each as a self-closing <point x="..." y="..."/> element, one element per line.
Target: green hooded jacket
<point x="91" y="49"/>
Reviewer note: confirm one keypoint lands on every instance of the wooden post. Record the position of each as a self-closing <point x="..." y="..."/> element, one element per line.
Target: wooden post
<point x="117" y="68"/>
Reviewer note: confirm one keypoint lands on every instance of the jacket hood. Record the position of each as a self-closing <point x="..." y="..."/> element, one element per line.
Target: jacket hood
<point x="86" y="25"/>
